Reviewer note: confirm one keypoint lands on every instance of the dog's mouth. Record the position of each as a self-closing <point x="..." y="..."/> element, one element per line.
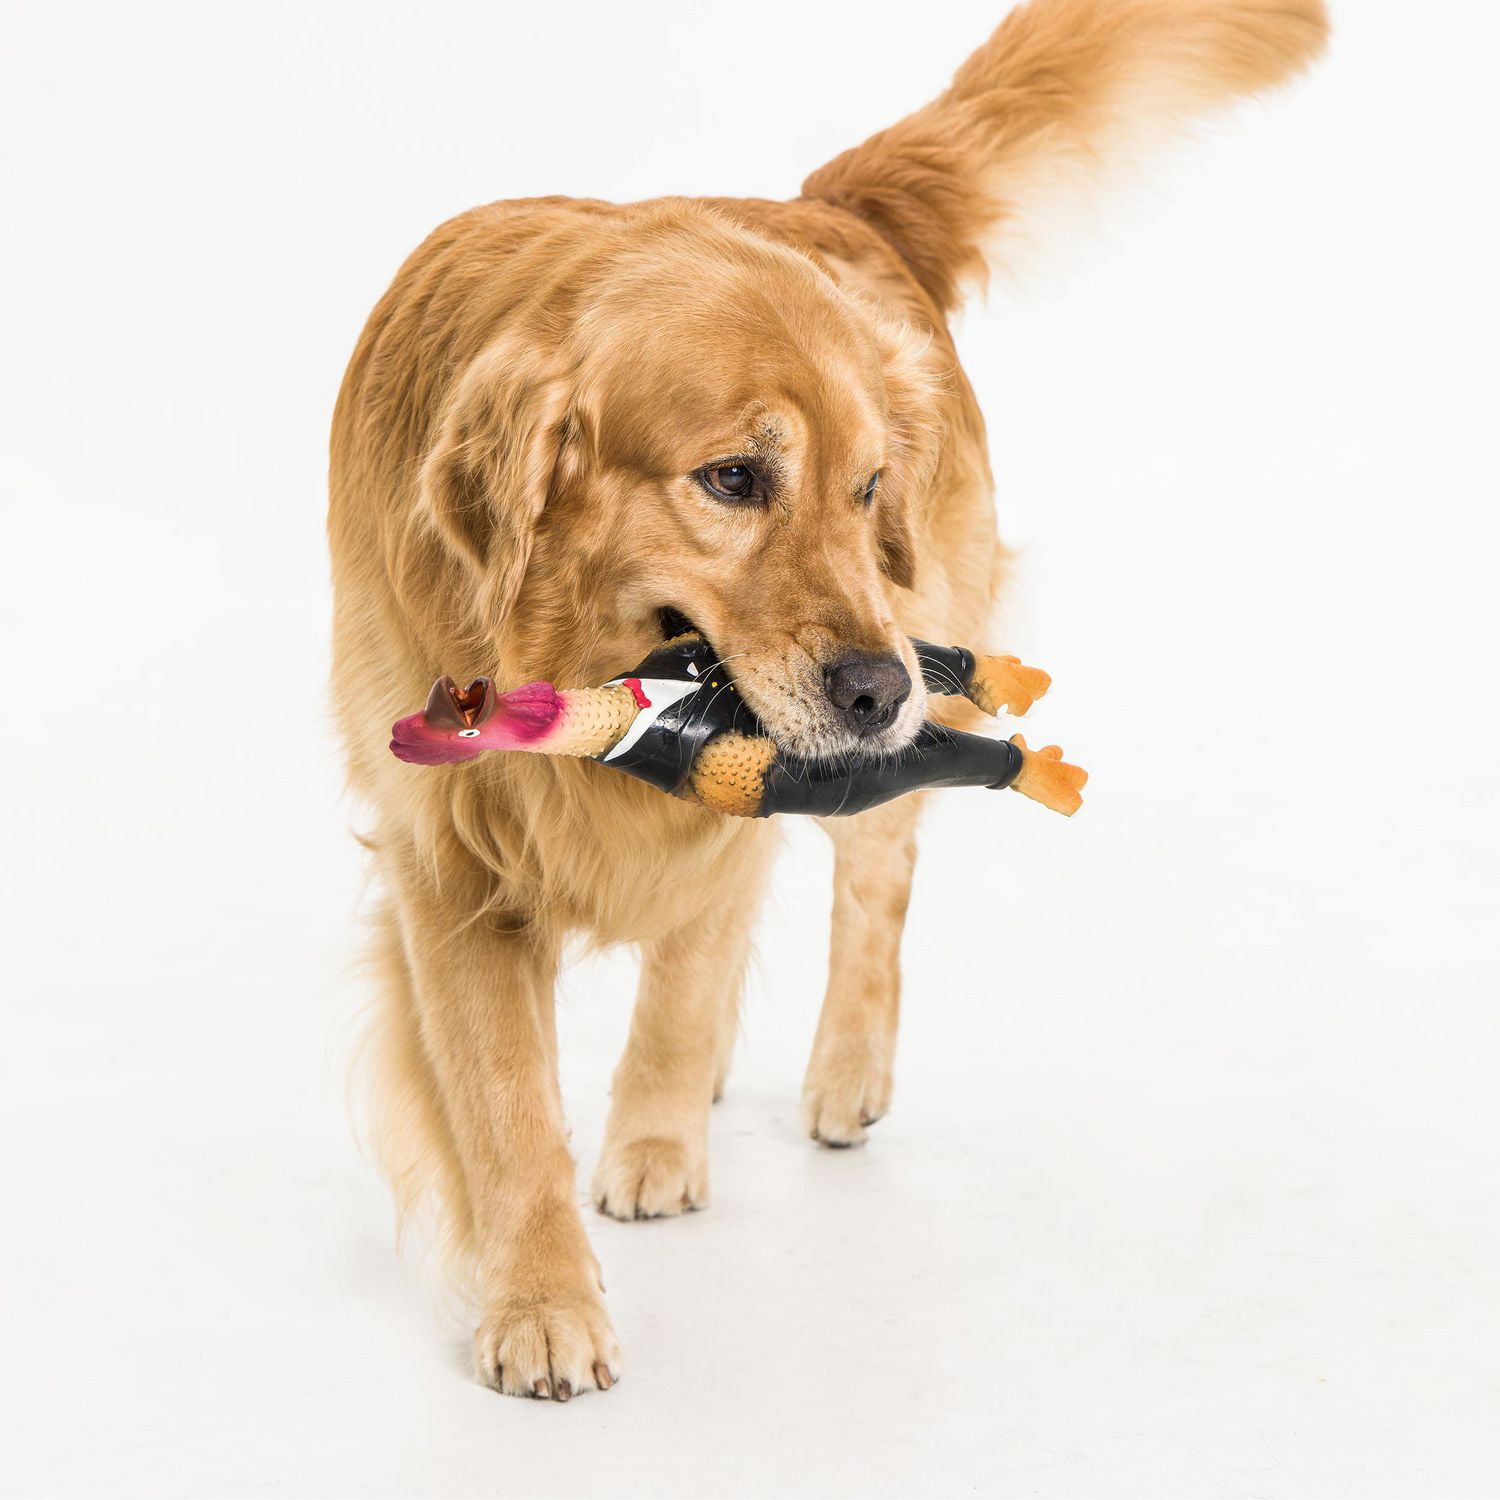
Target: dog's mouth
<point x="797" y="729"/>
<point x="674" y="623"/>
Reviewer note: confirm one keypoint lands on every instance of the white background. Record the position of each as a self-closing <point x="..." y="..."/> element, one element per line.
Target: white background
<point x="1190" y="1186"/>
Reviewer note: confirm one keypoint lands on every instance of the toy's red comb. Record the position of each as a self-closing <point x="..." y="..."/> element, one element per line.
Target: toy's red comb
<point x="452" y="707"/>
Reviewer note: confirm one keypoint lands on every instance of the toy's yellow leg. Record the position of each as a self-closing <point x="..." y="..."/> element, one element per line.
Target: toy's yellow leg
<point x="1047" y="778"/>
<point x="1004" y="683"/>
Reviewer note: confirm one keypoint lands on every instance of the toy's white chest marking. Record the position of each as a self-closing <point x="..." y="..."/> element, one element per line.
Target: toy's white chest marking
<point x="663" y="693"/>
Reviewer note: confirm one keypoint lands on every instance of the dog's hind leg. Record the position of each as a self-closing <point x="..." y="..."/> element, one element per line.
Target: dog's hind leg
<point x="848" y="1082"/>
<point x="654" y="1160"/>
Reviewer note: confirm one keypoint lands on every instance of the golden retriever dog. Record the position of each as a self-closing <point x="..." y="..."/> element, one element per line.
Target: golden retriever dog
<point x="568" y="428"/>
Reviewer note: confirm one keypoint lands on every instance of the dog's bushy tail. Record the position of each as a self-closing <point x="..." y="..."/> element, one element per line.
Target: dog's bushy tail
<point x="1062" y="85"/>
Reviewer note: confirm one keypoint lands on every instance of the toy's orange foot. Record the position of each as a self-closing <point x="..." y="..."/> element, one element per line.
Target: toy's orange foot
<point x="1047" y="778"/>
<point x="1003" y="682"/>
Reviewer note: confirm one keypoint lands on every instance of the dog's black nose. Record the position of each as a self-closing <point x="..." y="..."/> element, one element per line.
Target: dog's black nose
<point x="867" y="689"/>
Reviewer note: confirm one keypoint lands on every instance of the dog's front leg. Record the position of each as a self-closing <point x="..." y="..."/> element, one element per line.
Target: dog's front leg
<point x="655" y="1156"/>
<point x="848" y="1082"/>
<point x="484" y="989"/>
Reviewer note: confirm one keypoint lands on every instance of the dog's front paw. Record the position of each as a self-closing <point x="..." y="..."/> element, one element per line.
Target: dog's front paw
<point x="651" y="1176"/>
<point x="547" y="1346"/>
<point x="846" y="1090"/>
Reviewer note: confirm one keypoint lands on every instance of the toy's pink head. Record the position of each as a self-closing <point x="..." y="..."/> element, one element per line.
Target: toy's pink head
<point x="460" y="722"/>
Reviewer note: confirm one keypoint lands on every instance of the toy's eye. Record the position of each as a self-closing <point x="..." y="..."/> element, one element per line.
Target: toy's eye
<point x="468" y="734"/>
<point x="737" y="483"/>
<point x="871" y="487"/>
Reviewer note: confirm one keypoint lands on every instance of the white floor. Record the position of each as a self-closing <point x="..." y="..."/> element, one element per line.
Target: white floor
<point x="1192" y="1183"/>
<point x="1184" y="1194"/>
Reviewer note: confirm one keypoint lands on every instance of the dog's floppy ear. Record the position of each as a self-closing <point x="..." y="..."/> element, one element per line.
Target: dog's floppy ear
<point x="896" y="545"/>
<point x="498" y="453"/>
<point x="915" y="384"/>
<point x="1061" y="88"/>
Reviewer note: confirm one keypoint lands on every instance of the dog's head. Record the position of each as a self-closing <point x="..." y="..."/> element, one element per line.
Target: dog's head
<point x="702" y="430"/>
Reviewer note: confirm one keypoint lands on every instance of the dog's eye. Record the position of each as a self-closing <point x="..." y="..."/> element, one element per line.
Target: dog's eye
<point x="870" y="488"/>
<point x="737" y="482"/>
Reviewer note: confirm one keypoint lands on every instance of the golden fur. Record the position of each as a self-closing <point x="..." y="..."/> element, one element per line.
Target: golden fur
<point x="512" y="494"/>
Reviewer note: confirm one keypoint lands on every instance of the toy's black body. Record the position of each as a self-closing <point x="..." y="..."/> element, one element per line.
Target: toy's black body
<point x="937" y="757"/>
<point x="667" y="738"/>
<point x="692" y="703"/>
